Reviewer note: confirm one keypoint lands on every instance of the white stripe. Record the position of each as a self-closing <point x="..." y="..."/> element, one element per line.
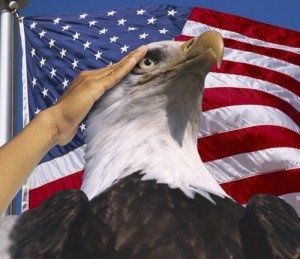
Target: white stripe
<point x="24" y="77"/>
<point x="262" y="61"/>
<point x="25" y="187"/>
<point x="215" y="80"/>
<point x="253" y="163"/>
<point x="192" y="28"/>
<point x="57" y="168"/>
<point x="293" y="199"/>
<point x="243" y="116"/>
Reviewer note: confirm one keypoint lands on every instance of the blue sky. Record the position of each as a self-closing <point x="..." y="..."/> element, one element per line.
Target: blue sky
<point x="284" y="13"/>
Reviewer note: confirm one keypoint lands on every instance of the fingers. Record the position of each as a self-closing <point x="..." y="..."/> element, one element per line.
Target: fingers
<point x="113" y="74"/>
<point x="123" y="67"/>
<point x="93" y="83"/>
<point x="134" y="56"/>
<point x="101" y="72"/>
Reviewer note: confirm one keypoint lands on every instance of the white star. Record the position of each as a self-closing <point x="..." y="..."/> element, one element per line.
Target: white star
<point x="87" y="45"/>
<point x="151" y="20"/>
<point x="32" y="52"/>
<point x="163" y="31"/>
<point x="62" y="53"/>
<point x="65" y="83"/>
<point x="56" y="21"/>
<point x="172" y="12"/>
<point x="42" y="34"/>
<point x="42" y="62"/>
<point x="124" y="48"/>
<point x="51" y="43"/>
<point x="75" y="63"/>
<point x="82" y="16"/>
<point x="113" y="39"/>
<point x="82" y="127"/>
<point x="92" y="23"/>
<point x="111" y="13"/>
<point x="122" y="21"/>
<point x="34" y="82"/>
<point x="140" y="12"/>
<point x="103" y="31"/>
<point x="53" y="72"/>
<point x="98" y="55"/>
<point x="132" y="28"/>
<point x="32" y="26"/>
<point x="54" y="101"/>
<point x="45" y="92"/>
<point x="37" y="110"/>
<point x="143" y="36"/>
<point x="76" y="36"/>
<point x="66" y="28"/>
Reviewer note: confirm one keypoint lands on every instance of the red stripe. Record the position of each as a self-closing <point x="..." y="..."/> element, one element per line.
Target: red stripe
<point x="219" y="97"/>
<point x="183" y="38"/>
<point x="247" y="27"/>
<point x="246" y="140"/>
<point x="287" y="56"/>
<point x="285" y="81"/>
<point x="40" y="194"/>
<point x="275" y="183"/>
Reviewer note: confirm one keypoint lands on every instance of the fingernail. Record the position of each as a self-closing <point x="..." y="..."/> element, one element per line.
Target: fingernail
<point x="143" y="47"/>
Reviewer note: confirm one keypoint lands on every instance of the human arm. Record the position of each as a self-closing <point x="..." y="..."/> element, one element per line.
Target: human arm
<point x="56" y="125"/>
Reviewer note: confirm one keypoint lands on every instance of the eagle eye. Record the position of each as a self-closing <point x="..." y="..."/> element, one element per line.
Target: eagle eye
<point x="147" y="63"/>
<point x="150" y="61"/>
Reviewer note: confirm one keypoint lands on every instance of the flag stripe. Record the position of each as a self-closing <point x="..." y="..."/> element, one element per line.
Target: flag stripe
<point x="38" y="195"/>
<point x="232" y="188"/>
<point x="261" y="61"/>
<point x="276" y="183"/>
<point x="246" y="140"/>
<point x="284" y="55"/>
<point x="215" y="98"/>
<point x="216" y="80"/>
<point x="281" y="54"/>
<point x="252" y="163"/>
<point x="193" y="29"/>
<point x="248" y="27"/>
<point x="293" y="199"/>
<point x="237" y="68"/>
<point x="243" y="116"/>
<point x="57" y="168"/>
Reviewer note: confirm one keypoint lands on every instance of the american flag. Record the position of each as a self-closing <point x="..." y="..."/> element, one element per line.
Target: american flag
<point x="249" y="130"/>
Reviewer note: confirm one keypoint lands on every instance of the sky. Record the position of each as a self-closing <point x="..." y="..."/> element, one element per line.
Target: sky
<point x="284" y="13"/>
<point x="276" y="12"/>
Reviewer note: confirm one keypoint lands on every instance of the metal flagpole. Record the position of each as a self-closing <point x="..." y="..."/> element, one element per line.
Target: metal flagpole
<point x="7" y="70"/>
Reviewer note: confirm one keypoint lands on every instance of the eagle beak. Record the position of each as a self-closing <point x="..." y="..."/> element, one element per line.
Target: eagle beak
<point x="209" y="40"/>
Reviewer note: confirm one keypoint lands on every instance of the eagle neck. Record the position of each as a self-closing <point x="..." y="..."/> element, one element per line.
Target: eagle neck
<point x="121" y="148"/>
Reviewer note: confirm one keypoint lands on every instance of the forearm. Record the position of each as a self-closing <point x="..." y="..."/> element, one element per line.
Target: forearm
<point x="20" y="156"/>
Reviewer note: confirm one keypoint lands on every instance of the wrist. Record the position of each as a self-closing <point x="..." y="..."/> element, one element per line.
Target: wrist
<point x="47" y="121"/>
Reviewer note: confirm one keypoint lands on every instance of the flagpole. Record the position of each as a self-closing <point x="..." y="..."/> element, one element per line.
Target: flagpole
<point x="7" y="71"/>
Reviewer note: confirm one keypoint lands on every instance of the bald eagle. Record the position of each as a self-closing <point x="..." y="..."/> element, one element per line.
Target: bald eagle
<point x="146" y="192"/>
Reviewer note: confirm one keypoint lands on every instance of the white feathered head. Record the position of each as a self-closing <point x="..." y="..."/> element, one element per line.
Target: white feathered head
<point x="149" y="121"/>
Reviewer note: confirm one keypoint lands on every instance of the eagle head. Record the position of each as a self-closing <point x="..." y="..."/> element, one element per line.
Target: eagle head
<point x="149" y="121"/>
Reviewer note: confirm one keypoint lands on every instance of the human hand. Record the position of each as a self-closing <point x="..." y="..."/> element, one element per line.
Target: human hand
<point x="84" y="91"/>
